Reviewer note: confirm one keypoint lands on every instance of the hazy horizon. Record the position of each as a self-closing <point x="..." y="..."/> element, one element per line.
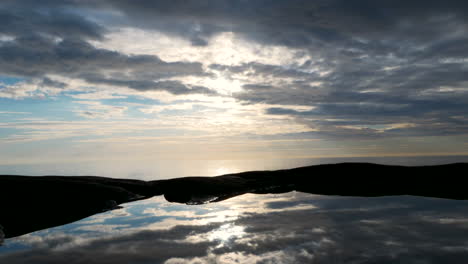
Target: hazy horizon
<point x="165" y="169"/>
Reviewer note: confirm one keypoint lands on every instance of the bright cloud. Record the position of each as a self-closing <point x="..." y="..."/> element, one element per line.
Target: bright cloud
<point x="235" y="71"/>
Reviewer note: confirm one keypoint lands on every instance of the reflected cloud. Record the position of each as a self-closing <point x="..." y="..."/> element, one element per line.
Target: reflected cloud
<point x="104" y="194"/>
<point x="225" y="233"/>
<point x="274" y="228"/>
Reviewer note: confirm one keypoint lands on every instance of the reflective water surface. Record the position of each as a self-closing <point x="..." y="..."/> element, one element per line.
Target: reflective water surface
<point x="281" y="228"/>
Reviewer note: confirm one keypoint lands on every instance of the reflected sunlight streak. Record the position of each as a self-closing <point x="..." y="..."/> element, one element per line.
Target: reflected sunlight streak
<point x="226" y="233"/>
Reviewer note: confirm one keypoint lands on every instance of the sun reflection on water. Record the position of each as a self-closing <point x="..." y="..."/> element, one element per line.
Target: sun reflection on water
<point x="156" y="214"/>
<point x="226" y="232"/>
<point x="271" y="228"/>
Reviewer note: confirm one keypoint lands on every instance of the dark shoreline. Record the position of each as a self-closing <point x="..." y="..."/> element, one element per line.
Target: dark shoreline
<point x="31" y="203"/>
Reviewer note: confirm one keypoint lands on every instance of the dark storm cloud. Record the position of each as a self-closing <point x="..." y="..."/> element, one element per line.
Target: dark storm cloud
<point x="355" y="27"/>
<point x="387" y="61"/>
<point x="423" y="94"/>
<point x="53" y="38"/>
<point x="51" y="83"/>
<point x="37" y="56"/>
<point x="18" y="20"/>
<point x="299" y="23"/>
<point x="370" y="62"/>
<point x="175" y="87"/>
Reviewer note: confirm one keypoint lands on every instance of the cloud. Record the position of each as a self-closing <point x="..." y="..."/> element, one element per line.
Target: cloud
<point x="78" y="59"/>
<point x="174" y="87"/>
<point x="54" y="40"/>
<point x="383" y="61"/>
<point x="47" y="18"/>
<point x="18" y="90"/>
<point x="149" y="246"/>
<point x="72" y="57"/>
<point x="53" y="83"/>
<point x="371" y="65"/>
<point x="421" y="95"/>
<point x="298" y="23"/>
<point x="389" y="229"/>
<point x="95" y="109"/>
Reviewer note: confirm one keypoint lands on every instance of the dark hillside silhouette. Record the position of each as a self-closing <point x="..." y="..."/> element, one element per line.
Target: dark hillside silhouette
<point x="30" y="203"/>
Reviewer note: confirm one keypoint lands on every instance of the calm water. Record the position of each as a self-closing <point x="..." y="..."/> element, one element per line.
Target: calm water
<point x="282" y="228"/>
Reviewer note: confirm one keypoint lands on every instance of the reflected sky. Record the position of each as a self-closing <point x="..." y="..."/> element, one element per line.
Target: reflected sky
<point x="281" y="228"/>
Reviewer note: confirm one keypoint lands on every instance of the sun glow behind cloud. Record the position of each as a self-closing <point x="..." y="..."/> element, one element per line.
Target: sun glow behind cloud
<point x="134" y="83"/>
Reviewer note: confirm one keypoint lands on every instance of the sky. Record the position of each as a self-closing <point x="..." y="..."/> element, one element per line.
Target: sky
<point x="144" y="81"/>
